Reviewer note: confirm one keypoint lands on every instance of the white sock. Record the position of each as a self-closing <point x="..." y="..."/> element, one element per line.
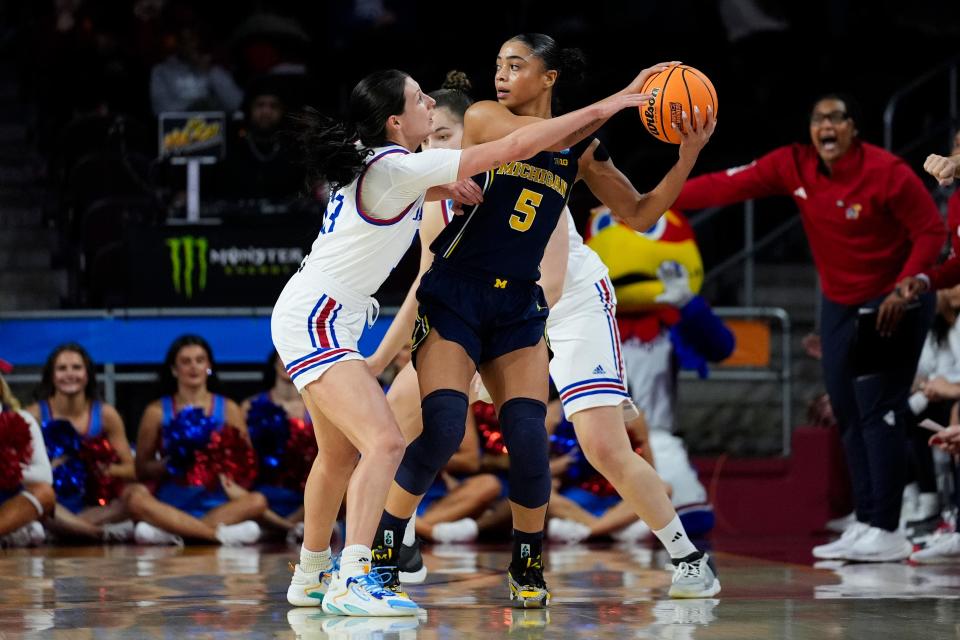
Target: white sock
<point x="410" y="533"/>
<point x="675" y="539"/>
<point x="313" y="561"/>
<point x="355" y="560"/>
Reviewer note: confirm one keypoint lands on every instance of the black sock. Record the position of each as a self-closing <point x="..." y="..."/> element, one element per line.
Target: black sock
<point x="527" y="545"/>
<point x="390" y="532"/>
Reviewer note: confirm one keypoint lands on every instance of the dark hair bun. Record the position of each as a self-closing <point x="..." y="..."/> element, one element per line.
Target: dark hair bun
<point x="457" y="81"/>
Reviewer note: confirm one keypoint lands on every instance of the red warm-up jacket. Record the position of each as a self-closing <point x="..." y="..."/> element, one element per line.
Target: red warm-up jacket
<point x="870" y="222"/>
<point x="948" y="274"/>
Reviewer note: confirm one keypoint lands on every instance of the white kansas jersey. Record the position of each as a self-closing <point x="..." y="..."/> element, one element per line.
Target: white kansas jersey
<point x="584" y="266"/>
<point x="370" y="223"/>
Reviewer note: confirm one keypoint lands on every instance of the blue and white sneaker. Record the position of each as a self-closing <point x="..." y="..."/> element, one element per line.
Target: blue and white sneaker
<point x="365" y="595"/>
<point x="694" y="577"/>
<point x="308" y="589"/>
<point x="370" y="627"/>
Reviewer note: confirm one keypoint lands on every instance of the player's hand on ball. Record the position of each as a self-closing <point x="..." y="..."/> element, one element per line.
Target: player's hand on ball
<point x="637" y="85"/>
<point x="695" y="135"/>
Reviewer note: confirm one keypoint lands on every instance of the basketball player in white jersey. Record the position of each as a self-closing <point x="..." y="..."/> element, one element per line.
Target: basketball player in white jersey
<point x="587" y="369"/>
<point x="370" y="222"/>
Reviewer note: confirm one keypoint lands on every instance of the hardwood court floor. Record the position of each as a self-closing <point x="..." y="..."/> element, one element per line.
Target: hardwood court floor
<point x="599" y="592"/>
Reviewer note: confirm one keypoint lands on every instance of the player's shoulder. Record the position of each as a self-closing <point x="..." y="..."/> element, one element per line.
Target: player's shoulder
<point x="486" y="108"/>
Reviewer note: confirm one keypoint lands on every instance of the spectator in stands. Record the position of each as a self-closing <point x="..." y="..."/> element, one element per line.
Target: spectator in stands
<point x="945" y="169"/>
<point x="947" y="274"/>
<point x="276" y="419"/>
<point x="26" y="491"/>
<point x="190" y="81"/>
<point x="936" y="388"/>
<point x="87" y="444"/>
<point x="870" y="223"/>
<point x="189" y="500"/>
<point x="261" y="162"/>
<point x="944" y="548"/>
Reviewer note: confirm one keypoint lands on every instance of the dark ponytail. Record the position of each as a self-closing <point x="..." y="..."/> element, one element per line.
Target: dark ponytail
<point x="330" y="147"/>
<point x="453" y="94"/>
<point x="570" y="64"/>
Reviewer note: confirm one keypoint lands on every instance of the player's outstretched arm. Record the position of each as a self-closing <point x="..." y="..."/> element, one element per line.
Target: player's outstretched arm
<point x="533" y="138"/>
<point x="641" y="210"/>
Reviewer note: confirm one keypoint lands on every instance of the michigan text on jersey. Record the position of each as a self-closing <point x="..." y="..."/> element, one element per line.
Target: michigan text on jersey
<point x="534" y="174"/>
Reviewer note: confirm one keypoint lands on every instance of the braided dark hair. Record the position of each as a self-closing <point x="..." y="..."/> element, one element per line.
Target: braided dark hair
<point x="330" y="148"/>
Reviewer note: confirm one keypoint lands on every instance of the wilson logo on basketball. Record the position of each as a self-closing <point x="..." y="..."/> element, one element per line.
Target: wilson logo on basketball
<point x="649" y="115"/>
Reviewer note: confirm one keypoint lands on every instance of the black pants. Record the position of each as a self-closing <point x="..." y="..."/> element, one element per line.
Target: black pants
<point x="871" y="409"/>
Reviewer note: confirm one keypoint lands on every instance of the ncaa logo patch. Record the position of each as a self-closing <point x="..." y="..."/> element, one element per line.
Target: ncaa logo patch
<point x="524" y="551"/>
<point x="388" y="537"/>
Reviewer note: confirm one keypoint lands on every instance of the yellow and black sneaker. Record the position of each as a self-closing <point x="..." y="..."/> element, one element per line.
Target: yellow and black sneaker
<point x="384" y="567"/>
<point x="528" y="590"/>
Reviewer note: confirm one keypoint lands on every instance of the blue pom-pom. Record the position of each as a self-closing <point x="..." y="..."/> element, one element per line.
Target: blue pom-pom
<point x="188" y="432"/>
<point x="269" y="428"/>
<point x="60" y="438"/>
<point x="70" y="480"/>
<point x="564" y="441"/>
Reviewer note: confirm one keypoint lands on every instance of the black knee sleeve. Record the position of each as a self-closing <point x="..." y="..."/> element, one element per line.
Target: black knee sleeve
<point x="522" y="423"/>
<point x="444" y="420"/>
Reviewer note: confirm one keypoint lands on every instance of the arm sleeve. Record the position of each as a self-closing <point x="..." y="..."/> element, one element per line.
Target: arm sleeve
<point x="912" y="205"/>
<point x="39" y="468"/>
<point x="762" y="177"/>
<point x="396" y="180"/>
<point x="946" y="275"/>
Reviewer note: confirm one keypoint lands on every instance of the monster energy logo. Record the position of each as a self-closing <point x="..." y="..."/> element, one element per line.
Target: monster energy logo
<point x="184" y="263"/>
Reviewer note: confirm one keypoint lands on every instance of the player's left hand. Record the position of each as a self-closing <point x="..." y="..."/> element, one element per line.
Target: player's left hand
<point x="695" y="134"/>
<point x="890" y="313"/>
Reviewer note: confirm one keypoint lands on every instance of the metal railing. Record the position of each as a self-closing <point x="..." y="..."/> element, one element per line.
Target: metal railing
<point x="782" y="374"/>
<point x="751" y="246"/>
<point x="951" y="69"/>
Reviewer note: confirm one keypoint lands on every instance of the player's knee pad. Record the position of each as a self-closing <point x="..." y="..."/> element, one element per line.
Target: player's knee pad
<point x="522" y="423"/>
<point x="444" y="419"/>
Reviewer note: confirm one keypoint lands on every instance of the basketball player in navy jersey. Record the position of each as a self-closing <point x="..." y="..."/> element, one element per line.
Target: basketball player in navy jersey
<point x="481" y="307"/>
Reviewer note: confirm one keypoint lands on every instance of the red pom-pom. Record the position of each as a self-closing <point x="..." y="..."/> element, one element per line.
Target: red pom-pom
<point x="98" y="454"/>
<point x="227" y="453"/>
<point x="16" y="449"/>
<point x="301" y="450"/>
<point x="491" y="439"/>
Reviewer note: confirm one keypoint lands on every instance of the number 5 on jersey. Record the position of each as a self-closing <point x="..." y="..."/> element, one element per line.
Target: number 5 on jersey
<point x="527" y="204"/>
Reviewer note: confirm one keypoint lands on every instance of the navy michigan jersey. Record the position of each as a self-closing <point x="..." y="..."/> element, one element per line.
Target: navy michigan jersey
<point x="506" y="235"/>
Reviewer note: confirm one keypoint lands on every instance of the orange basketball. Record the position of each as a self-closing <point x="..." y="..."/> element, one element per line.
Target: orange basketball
<point x="675" y="89"/>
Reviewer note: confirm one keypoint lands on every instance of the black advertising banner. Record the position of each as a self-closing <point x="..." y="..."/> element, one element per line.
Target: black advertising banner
<point x="205" y="266"/>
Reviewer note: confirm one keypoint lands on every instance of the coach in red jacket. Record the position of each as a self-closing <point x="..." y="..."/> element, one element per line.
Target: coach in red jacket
<point x="870" y="223"/>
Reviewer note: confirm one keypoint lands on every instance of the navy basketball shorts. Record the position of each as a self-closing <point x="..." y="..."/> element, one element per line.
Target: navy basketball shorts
<point x="487" y="316"/>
